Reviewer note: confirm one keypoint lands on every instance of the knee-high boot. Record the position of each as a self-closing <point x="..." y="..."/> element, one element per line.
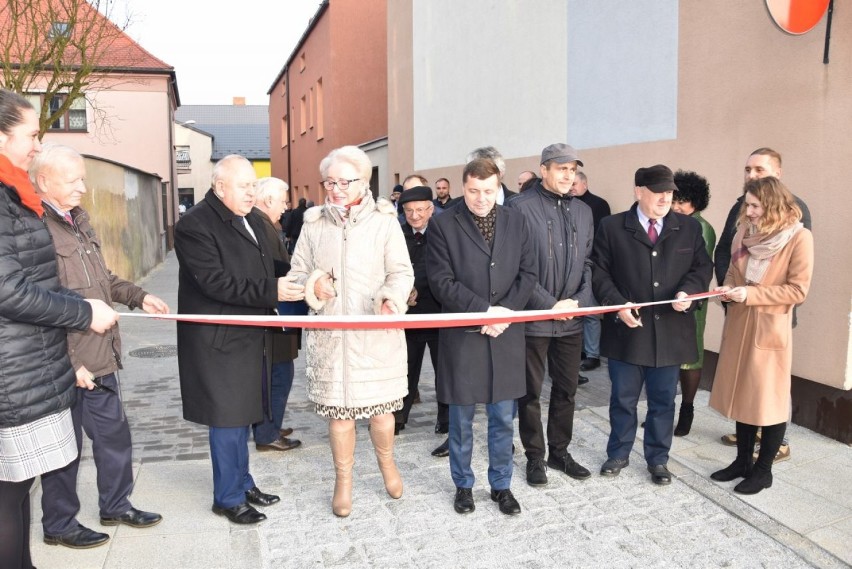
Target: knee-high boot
<point x="742" y="465"/>
<point x="381" y="433"/>
<point x="341" y="435"/>
<point x="761" y="474"/>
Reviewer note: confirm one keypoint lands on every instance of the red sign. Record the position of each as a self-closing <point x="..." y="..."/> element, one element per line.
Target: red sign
<point x="797" y="16"/>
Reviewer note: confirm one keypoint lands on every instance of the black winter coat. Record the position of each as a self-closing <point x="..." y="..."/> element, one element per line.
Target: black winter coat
<point x="36" y="378"/>
<point x="628" y="268"/>
<point x="466" y="275"/>
<point x="562" y="234"/>
<point x="223" y="271"/>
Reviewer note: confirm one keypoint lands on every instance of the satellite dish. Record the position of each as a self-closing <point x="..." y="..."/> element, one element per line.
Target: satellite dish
<point x="797" y="16"/>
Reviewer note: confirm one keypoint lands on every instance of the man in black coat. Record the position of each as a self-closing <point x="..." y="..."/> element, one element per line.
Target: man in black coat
<point x="561" y="232"/>
<point x="226" y="268"/>
<point x="648" y="253"/>
<point x="418" y="208"/>
<point x="481" y="260"/>
<point x="591" y="324"/>
<point x="504" y="194"/>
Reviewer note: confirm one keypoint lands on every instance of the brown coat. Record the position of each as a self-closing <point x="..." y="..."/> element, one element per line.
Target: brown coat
<point x="752" y="383"/>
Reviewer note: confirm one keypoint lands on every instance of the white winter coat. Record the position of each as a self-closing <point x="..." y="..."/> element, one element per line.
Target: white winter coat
<point x="369" y="259"/>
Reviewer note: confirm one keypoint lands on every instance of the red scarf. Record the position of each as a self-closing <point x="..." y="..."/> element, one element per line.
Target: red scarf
<point x="16" y="178"/>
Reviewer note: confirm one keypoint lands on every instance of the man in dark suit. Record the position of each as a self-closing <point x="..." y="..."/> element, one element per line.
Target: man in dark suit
<point x="647" y="253"/>
<point x="418" y="209"/>
<point x="491" y="153"/>
<point x="481" y="259"/>
<point x="226" y="268"/>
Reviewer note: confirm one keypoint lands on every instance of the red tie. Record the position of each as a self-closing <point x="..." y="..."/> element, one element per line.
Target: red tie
<point x="652" y="231"/>
<point x="68" y="218"/>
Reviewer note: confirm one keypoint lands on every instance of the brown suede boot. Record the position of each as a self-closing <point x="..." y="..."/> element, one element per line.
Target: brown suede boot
<point x="381" y="433"/>
<point x="341" y="435"/>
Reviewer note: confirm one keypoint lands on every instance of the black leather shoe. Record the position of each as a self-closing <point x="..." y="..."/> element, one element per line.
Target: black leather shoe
<point x="240" y="514"/>
<point x="281" y="443"/>
<point x="442" y="428"/>
<point x="285" y="432"/>
<point x="589" y="364"/>
<point x="660" y="474"/>
<point x="463" y="504"/>
<point x="536" y="472"/>
<point x="443" y="449"/>
<point x="733" y="471"/>
<point x="508" y="504"/>
<point x="258" y="498"/>
<point x="80" y="537"/>
<point x="565" y="463"/>
<point x="582" y="380"/>
<point x="133" y="518"/>
<point x="613" y="466"/>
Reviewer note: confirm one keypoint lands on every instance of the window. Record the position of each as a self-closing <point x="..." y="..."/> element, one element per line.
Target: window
<point x="320" y="121"/>
<point x="303" y="118"/>
<point x="285" y="131"/>
<point x="59" y="30"/>
<point x="311" y="109"/>
<point x="72" y="120"/>
<point x="184" y="162"/>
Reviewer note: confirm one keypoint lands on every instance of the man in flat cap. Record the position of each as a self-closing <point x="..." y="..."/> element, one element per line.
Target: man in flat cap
<point x="561" y="232"/>
<point x="417" y="206"/>
<point x="645" y="254"/>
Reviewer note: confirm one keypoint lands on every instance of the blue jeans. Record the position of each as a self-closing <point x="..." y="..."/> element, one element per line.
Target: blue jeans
<point x="230" y="456"/>
<point x="266" y="431"/>
<point x="500" y="431"/>
<point x="592" y="336"/>
<point x="660" y="389"/>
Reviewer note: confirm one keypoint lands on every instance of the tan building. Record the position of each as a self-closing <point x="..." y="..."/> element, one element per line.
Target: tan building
<point x="332" y="92"/>
<point x="694" y="85"/>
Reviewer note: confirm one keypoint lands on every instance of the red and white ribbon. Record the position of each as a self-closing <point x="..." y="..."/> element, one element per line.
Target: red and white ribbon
<point x="406" y="321"/>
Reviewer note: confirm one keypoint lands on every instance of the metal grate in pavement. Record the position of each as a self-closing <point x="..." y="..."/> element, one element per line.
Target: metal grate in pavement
<point x="161" y="351"/>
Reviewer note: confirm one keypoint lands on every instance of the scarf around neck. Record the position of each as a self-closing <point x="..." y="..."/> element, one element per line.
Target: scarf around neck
<point x="762" y="248"/>
<point x="16" y="178"/>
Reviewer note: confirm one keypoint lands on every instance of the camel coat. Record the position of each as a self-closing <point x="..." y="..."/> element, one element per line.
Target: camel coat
<point x="752" y="383"/>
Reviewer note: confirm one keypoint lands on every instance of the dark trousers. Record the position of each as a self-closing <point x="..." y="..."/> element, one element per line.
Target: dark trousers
<point x="500" y="430"/>
<point x="282" y="382"/>
<point x="15" y="524"/>
<point x="563" y="364"/>
<point x="230" y="457"/>
<point x="100" y="414"/>
<point x="660" y="389"/>
<point x="416" y="342"/>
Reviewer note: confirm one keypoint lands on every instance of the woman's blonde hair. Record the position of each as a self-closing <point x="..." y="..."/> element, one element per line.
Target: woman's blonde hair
<point x="779" y="206"/>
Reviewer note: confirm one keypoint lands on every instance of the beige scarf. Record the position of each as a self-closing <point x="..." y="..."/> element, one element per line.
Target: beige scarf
<point x="762" y="248"/>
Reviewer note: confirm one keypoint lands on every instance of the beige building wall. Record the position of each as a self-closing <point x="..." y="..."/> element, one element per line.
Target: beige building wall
<point x="742" y="83"/>
<point x="201" y="169"/>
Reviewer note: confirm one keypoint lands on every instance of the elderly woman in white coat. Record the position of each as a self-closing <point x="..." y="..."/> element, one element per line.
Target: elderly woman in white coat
<point x="352" y="259"/>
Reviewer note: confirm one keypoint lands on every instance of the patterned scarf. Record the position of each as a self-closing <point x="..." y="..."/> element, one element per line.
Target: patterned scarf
<point x="16" y="178"/>
<point x="762" y="248"/>
<point x="487" y="225"/>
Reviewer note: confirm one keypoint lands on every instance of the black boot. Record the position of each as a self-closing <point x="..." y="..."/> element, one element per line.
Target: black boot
<point x="761" y="474"/>
<point x="742" y="466"/>
<point x="684" y="420"/>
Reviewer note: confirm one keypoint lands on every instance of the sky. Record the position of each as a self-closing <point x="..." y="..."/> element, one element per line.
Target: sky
<point x="219" y="53"/>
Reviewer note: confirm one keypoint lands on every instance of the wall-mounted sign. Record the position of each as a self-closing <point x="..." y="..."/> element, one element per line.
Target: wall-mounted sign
<point x="796" y="16"/>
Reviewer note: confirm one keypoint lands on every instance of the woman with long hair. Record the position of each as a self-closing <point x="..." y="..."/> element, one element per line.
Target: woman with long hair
<point x="772" y="260"/>
<point x="36" y="377"/>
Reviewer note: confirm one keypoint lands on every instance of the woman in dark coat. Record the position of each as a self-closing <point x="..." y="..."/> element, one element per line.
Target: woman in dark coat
<point x="36" y="377"/>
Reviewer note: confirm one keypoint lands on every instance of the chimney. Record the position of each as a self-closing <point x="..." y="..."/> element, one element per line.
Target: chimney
<point x="239" y="101"/>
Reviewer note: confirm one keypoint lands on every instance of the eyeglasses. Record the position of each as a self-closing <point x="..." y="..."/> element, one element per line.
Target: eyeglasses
<point x="342" y="184"/>
<point x="418" y="211"/>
